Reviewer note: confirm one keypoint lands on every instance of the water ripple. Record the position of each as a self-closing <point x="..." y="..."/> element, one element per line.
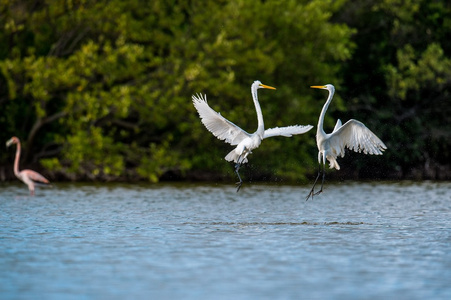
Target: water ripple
<point x="375" y="240"/>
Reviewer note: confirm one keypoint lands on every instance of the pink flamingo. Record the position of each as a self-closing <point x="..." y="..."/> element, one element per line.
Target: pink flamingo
<point x="29" y="177"/>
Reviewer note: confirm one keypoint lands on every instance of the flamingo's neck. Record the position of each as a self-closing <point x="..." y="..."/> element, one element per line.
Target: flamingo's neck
<point x="16" y="161"/>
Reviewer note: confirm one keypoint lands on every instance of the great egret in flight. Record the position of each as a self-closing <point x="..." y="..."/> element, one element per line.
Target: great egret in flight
<point x="353" y="135"/>
<point x="225" y="130"/>
<point x="29" y="177"/>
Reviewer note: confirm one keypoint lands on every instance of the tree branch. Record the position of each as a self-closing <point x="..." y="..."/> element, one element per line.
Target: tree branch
<point x="34" y="130"/>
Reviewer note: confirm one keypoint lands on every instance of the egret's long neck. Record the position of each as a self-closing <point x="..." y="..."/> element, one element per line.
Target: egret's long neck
<point x="16" y="161"/>
<point x="323" y="112"/>
<point x="261" y="124"/>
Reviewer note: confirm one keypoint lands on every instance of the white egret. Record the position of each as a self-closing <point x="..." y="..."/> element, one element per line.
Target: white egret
<point x="225" y="130"/>
<point x="353" y="135"/>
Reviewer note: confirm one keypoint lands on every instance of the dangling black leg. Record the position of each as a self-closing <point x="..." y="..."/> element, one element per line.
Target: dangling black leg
<point x="322" y="182"/>
<point x="312" y="191"/>
<point x="237" y="168"/>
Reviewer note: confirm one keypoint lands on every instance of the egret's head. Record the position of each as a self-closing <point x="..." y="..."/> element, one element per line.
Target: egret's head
<point x="13" y="140"/>
<point x="258" y="85"/>
<point x="328" y="87"/>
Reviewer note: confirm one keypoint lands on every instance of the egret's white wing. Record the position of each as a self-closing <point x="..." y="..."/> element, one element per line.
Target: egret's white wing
<point x="337" y="125"/>
<point x="355" y="136"/>
<point x="222" y="128"/>
<point x="287" y="131"/>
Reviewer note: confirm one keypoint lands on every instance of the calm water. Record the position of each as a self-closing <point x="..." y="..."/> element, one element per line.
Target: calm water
<point x="190" y="241"/>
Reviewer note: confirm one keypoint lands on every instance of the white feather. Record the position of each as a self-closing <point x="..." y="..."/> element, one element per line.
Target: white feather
<point x="353" y="135"/>
<point x="287" y="131"/>
<point x="225" y="130"/>
<point x="221" y="128"/>
<point x="337" y="125"/>
<point x="356" y="136"/>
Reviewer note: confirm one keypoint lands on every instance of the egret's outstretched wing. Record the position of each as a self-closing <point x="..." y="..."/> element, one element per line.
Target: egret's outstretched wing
<point x="355" y="136"/>
<point x="222" y="128"/>
<point x="287" y="131"/>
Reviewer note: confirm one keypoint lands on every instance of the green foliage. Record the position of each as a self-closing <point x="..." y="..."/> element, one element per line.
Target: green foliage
<point x="413" y="74"/>
<point x="102" y="90"/>
<point x="160" y="159"/>
<point x="399" y="82"/>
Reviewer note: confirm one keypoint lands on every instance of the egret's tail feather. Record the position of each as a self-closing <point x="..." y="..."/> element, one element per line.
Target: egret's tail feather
<point x="333" y="162"/>
<point x="233" y="156"/>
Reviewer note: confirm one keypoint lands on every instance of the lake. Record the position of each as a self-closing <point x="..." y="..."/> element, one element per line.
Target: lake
<point x="357" y="240"/>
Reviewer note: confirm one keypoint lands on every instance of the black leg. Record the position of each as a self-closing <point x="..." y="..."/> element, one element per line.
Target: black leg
<point x="312" y="191"/>
<point x="237" y="168"/>
<point x="322" y="182"/>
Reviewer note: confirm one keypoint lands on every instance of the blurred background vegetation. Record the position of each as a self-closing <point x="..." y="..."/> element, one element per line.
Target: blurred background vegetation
<point x="101" y="90"/>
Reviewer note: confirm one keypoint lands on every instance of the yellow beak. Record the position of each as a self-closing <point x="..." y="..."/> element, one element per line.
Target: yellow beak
<point x="318" y="86"/>
<point x="267" y="87"/>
